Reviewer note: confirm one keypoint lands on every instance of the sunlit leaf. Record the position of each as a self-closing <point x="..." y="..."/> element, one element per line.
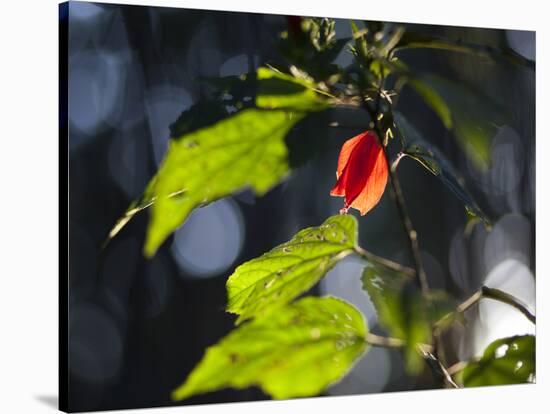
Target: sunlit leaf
<point x="245" y="150"/>
<point x="280" y="275"/>
<point x="474" y="119"/>
<point x="277" y="90"/>
<point x="199" y="115"/>
<point x="434" y="161"/>
<point x="402" y="310"/>
<point x="295" y="351"/>
<point x="415" y="40"/>
<point x="504" y="361"/>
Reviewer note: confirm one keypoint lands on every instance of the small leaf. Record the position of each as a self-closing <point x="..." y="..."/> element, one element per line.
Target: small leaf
<point x="277" y="90"/>
<point x="295" y="351"/>
<point x="504" y="361"/>
<point x="415" y="40"/>
<point x="291" y="268"/>
<point x="473" y="118"/>
<point x="402" y="310"/>
<point x="434" y="161"/>
<point x="244" y="150"/>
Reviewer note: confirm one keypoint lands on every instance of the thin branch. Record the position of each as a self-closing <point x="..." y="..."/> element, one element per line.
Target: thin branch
<point x="389" y="342"/>
<point x="395" y="162"/>
<point x="438" y="368"/>
<point x="383" y="341"/>
<point x="496" y="294"/>
<point x="397" y="195"/>
<point x="471" y="301"/>
<point x="499" y="295"/>
<point x="456" y="367"/>
<point x="371" y="257"/>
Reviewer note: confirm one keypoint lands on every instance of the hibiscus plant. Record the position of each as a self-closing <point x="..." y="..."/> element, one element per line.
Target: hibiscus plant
<point x="285" y="343"/>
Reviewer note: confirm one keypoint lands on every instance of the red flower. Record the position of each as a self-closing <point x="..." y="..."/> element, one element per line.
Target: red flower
<point x="362" y="173"/>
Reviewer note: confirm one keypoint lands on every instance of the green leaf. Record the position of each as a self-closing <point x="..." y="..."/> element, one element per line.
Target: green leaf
<point x="417" y="148"/>
<point x="434" y="101"/>
<point x="402" y="310"/>
<point x="199" y="115"/>
<point x="473" y="119"/>
<point x="296" y="351"/>
<point x="245" y="150"/>
<point x="415" y="40"/>
<point x="270" y="88"/>
<point x="277" y="90"/>
<point x="504" y="361"/>
<point x="280" y="275"/>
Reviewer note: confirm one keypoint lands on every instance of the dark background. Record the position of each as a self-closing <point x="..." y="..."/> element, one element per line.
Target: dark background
<point x="137" y="327"/>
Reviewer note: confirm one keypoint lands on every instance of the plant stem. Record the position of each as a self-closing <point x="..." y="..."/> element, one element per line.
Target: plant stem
<point x="499" y="295"/>
<point x="439" y="368"/>
<point x="471" y="301"/>
<point x="397" y="195"/>
<point x="383" y="341"/>
<point x="371" y="257"/>
<point x="456" y="367"/>
<point x="389" y="342"/>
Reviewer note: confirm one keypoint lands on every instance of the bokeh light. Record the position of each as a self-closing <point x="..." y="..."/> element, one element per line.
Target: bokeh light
<point x="498" y="320"/>
<point x="523" y="42"/>
<point x="96" y="344"/>
<point x="164" y="104"/>
<point x="210" y="240"/>
<point x="95" y="80"/>
<point x="344" y="281"/>
<point x="370" y="374"/>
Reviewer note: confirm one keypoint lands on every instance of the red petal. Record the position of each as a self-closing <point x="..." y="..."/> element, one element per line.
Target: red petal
<point x="362" y="172"/>
<point x="376" y="182"/>
<point x="346" y="151"/>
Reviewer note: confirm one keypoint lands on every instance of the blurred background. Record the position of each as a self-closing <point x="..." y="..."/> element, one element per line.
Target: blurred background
<point x="137" y="327"/>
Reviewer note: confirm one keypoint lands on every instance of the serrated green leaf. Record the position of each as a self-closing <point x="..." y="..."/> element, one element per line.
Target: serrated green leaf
<point x="277" y="90"/>
<point x="230" y="144"/>
<point x="504" y="361"/>
<point x="473" y="118"/>
<point x="280" y="275"/>
<point x="296" y="351"/>
<point x="419" y="149"/>
<point x="402" y="310"/>
<point x="245" y="150"/>
<point x="415" y="40"/>
<point x="198" y="116"/>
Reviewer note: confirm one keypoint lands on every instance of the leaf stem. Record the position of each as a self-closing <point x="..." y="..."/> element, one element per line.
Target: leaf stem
<point x="397" y="195"/>
<point x="395" y="162"/>
<point x="390" y="342"/>
<point x="371" y="257"/>
<point x="457" y="367"/>
<point x="383" y="341"/>
<point x="499" y="295"/>
<point x="439" y="368"/>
